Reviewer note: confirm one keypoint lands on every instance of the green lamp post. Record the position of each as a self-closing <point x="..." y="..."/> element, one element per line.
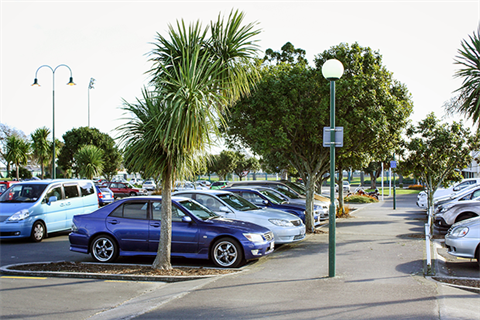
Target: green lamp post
<point x="332" y="70"/>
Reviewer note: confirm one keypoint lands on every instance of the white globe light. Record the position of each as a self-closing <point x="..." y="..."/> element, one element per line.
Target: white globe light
<point x="332" y="69"/>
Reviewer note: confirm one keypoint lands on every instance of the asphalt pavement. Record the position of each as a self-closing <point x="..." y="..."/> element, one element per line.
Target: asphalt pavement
<point x="380" y="263"/>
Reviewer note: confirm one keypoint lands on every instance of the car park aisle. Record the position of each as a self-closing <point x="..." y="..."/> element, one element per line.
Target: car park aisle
<point x="379" y="275"/>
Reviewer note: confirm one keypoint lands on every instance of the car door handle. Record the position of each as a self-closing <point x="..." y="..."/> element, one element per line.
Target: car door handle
<point x="156" y="224"/>
<point x="113" y="221"/>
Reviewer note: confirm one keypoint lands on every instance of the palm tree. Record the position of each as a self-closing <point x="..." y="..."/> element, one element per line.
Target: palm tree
<point x="89" y="161"/>
<point x="195" y="78"/>
<point x="17" y="152"/>
<point x="468" y="100"/>
<point x="41" y="147"/>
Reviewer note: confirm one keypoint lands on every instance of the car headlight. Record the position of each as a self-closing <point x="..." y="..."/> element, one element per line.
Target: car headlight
<point x="20" y="215"/>
<point x="447" y="207"/>
<point x="254" y="237"/>
<point x="74" y="227"/>
<point x="459" y="232"/>
<point x="281" y="222"/>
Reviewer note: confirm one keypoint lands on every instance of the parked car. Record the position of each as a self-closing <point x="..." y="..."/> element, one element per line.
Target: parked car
<point x="218" y="185"/>
<point x="463" y="239"/>
<point x="183" y="185"/>
<point x="203" y="183"/>
<point x="301" y="190"/>
<point x="286" y="227"/>
<point x="105" y="196"/>
<point x="465" y="194"/>
<point x="442" y="194"/>
<point x="196" y="233"/>
<point x="149" y="185"/>
<point x="287" y="190"/>
<point x="124" y="189"/>
<point x="455" y="212"/>
<point x="346" y="187"/>
<point x="35" y="208"/>
<point x="4" y="185"/>
<point x="267" y="198"/>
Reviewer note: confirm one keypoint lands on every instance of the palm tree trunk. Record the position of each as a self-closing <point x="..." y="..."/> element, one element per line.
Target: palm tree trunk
<point x="162" y="260"/>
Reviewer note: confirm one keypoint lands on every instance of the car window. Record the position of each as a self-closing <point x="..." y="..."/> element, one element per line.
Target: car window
<point x="71" y="191"/>
<point x="252" y="197"/>
<point x="55" y="191"/>
<point x="113" y="185"/>
<point x="274" y="198"/>
<point x="198" y="210"/>
<point x="476" y="194"/>
<point x="86" y="188"/>
<point x="209" y="202"/>
<point x="236" y="202"/>
<point x="132" y="210"/>
<point x="286" y="192"/>
<point x="157" y="210"/>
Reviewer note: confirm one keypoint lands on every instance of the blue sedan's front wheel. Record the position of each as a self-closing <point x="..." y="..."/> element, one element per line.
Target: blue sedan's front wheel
<point x="227" y="253"/>
<point x="104" y="249"/>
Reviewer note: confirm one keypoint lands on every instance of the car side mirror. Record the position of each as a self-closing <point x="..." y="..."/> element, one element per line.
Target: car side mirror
<point x="456" y="189"/>
<point x="186" y="219"/>
<point x="224" y="209"/>
<point x="52" y="199"/>
<point x="265" y="202"/>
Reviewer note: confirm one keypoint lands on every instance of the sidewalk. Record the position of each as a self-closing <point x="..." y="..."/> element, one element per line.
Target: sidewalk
<point x="379" y="275"/>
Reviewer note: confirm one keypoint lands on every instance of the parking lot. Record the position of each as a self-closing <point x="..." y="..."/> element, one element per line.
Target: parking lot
<point x="379" y="264"/>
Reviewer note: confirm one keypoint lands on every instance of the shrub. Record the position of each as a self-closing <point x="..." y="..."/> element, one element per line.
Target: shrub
<point x="345" y="213"/>
<point x="360" y="199"/>
<point x="416" y="187"/>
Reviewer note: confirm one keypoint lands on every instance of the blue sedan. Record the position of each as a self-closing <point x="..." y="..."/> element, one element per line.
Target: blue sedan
<point x="105" y="196"/>
<point x="131" y="227"/>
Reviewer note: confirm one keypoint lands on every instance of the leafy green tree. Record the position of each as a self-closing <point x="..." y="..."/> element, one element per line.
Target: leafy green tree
<point x="223" y="163"/>
<point x="437" y="152"/>
<point x="5" y="132"/>
<point x="17" y="152"/>
<point x="245" y="165"/>
<point x="195" y="77"/>
<point x="288" y="54"/>
<point x="468" y="100"/>
<point x="76" y="138"/>
<point x="41" y="148"/>
<point x="291" y="105"/>
<point x="89" y="160"/>
<point x="373" y="108"/>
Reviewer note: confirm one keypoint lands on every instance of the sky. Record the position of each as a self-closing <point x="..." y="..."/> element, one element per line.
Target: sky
<point x="110" y="41"/>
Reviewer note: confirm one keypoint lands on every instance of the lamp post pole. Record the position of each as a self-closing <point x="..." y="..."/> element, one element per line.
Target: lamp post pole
<point x="90" y="86"/>
<point x="70" y="83"/>
<point x="332" y="70"/>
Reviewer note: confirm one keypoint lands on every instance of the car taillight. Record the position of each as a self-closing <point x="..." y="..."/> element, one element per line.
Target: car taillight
<point x="100" y="195"/>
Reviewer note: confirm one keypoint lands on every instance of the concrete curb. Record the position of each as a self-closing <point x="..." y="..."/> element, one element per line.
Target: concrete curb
<point x="10" y="270"/>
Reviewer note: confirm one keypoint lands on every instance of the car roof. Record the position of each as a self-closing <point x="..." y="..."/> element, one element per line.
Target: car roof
<point x="208" y="191"/>
<point x="50" y="181"/>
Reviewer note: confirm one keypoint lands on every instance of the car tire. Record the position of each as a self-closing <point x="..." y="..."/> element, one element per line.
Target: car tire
<point x="478" y="256"/>
<point x="227" y="253"/>
<point x="132" y="194"/>
<point x="38" y="231"/>
<point x="104" y="249"/>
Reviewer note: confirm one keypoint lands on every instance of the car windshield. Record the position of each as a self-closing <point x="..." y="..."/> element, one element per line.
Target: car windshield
<point x="237" y="202"/>
<point x="285" y="191"/>
<point x="198" y="210"/>
<point x="23" y="193"/>
<point x="296" y="188"/>
<point x="272" y="196"/>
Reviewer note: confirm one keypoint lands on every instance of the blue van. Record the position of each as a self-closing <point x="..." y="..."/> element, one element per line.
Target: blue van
<point x="35" y="208"/>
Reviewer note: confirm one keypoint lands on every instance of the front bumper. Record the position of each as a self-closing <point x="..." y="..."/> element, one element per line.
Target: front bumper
<point x="289" y="234"/>
<point x="16" y="230"/>
<point x="463" y="247"/>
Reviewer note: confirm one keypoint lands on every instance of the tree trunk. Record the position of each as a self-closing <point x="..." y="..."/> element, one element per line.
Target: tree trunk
<point x="341" y="203"/>
<point x="162" y="260"/>
<point x="309" y="221"/>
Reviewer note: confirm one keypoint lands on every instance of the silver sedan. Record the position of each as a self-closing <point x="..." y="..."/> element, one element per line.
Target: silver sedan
<point x="463" y="239"/>
<point x="286" y="227"/>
